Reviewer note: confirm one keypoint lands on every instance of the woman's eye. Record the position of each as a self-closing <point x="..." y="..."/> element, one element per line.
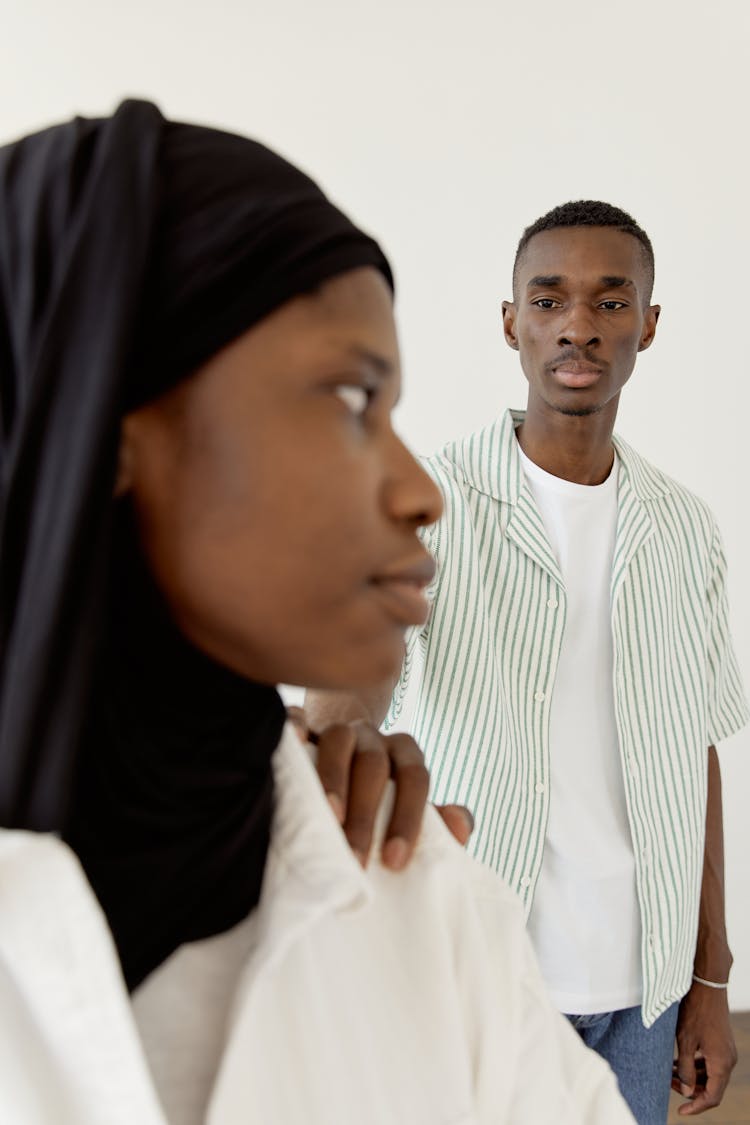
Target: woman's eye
<point x="354" y="396"/>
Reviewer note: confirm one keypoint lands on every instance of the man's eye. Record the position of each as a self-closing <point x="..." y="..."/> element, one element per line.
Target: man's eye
<point x="545" y="303"/>
<point x="612" y="306"/>
<point x="354" y="396"/>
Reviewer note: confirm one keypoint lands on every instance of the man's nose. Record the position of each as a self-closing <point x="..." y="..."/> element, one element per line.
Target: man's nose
<point x="579" y="329"/>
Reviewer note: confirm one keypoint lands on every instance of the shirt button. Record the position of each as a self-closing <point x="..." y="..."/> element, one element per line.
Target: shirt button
<point x="552" y="603"/>
<point x="526" y="881"/>
<point x="540" y="787"/>
<point x="539" y="696"/>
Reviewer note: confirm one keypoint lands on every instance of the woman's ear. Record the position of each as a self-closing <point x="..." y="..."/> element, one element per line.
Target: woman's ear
<point x="125" y="458"/>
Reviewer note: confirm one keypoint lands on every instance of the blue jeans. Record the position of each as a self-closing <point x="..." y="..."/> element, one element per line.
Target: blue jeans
<point x="641" y="1058"/>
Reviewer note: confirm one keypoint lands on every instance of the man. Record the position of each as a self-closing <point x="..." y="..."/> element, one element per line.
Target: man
<point x="578" y="672"/>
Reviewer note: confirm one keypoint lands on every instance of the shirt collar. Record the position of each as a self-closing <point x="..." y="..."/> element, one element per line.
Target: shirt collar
<point x="488" y="460"/>
<point x="310" y="870"/>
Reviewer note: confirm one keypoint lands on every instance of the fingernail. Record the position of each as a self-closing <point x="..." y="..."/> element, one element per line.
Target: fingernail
<point x="395" y="852"/>
<point x="685" y="1090"/>
<point x="337" y="806"/>
<point x="469" y="819"/>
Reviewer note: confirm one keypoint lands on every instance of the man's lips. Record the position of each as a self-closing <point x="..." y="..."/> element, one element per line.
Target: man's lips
<point x="400" y="588"/>
<point x="575" y="374"/>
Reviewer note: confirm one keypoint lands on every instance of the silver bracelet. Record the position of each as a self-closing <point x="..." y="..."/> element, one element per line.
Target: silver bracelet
<point x="710" y="983"/>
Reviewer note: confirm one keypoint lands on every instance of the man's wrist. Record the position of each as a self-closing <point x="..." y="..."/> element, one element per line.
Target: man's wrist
<point x="720" y="986"/>
<point x="713" y="959"/>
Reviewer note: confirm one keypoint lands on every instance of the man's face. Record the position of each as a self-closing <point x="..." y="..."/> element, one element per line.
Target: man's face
<point x="579" y="317"/>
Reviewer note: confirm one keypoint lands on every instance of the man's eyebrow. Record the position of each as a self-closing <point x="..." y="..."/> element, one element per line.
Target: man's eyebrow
<point x="617" y="282"/>
<point x="545" y="281"/>
<point x="552" y="280"/>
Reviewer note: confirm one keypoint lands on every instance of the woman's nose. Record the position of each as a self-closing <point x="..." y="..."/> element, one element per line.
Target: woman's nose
<point x="412" y="495"/>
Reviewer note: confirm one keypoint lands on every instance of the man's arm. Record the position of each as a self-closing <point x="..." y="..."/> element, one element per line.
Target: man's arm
<point x="703" y="1026"/>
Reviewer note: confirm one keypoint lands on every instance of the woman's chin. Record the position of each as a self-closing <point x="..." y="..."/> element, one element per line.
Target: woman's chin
<point x="352" y="669"/>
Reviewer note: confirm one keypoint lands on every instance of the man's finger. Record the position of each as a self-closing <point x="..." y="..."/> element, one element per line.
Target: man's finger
<point x="709" y="1089"/>
<point x="298" y="719"/>
<point x="368" y="777"/>
<point x="412" y="782"/>
<point x="705" y="1099"/>
<point x="336" y="747"/>
<point x="685" y="1070"/>
<point x="459" y="822"/>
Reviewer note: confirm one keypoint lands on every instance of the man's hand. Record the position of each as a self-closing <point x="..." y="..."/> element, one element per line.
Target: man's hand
<point x="355" y="761"/>
<point x="706" y="1050"/>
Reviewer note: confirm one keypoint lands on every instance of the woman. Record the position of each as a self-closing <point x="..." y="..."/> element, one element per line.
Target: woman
<point x="203" y="496"/>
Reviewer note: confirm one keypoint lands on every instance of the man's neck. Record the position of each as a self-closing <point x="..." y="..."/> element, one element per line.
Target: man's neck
<point x="575" y="448"/>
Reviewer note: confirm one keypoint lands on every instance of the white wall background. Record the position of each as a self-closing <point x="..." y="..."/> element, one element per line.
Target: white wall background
<point x="445" y="128"/>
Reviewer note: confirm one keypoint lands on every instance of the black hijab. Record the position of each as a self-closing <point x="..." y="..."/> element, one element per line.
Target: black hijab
<point x="131" y="250"/>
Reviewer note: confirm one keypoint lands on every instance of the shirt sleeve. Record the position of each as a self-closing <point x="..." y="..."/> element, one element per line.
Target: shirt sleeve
<point x="727" y="709"/>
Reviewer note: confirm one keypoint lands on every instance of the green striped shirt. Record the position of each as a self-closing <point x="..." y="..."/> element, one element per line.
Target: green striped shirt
<point x="490" y="652"/>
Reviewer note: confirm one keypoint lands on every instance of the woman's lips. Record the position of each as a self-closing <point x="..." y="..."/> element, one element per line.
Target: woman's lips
<point x="576" y="375"/>
<point x="401" y="591"/>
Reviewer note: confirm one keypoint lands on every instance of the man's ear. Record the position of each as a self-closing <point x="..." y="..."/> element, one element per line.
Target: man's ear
<point x="125" y="459"/>
<point x="650" y="321"/>
<point x="509" y="324"/>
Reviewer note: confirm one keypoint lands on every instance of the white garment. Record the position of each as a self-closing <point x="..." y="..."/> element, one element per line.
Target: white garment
<point x="490" y="651"/>
<point x="585" y="920"/>
<point x="367" y="997"/>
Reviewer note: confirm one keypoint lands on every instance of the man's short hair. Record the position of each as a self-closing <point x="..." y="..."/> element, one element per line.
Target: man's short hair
<point x="590" y="213"/>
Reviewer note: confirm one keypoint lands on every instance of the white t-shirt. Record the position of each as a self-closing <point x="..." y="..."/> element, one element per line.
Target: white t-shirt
<point x="585" y="920"/>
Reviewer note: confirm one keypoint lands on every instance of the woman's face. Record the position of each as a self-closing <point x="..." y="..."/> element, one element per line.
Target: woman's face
<point x="277" y="508"/>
